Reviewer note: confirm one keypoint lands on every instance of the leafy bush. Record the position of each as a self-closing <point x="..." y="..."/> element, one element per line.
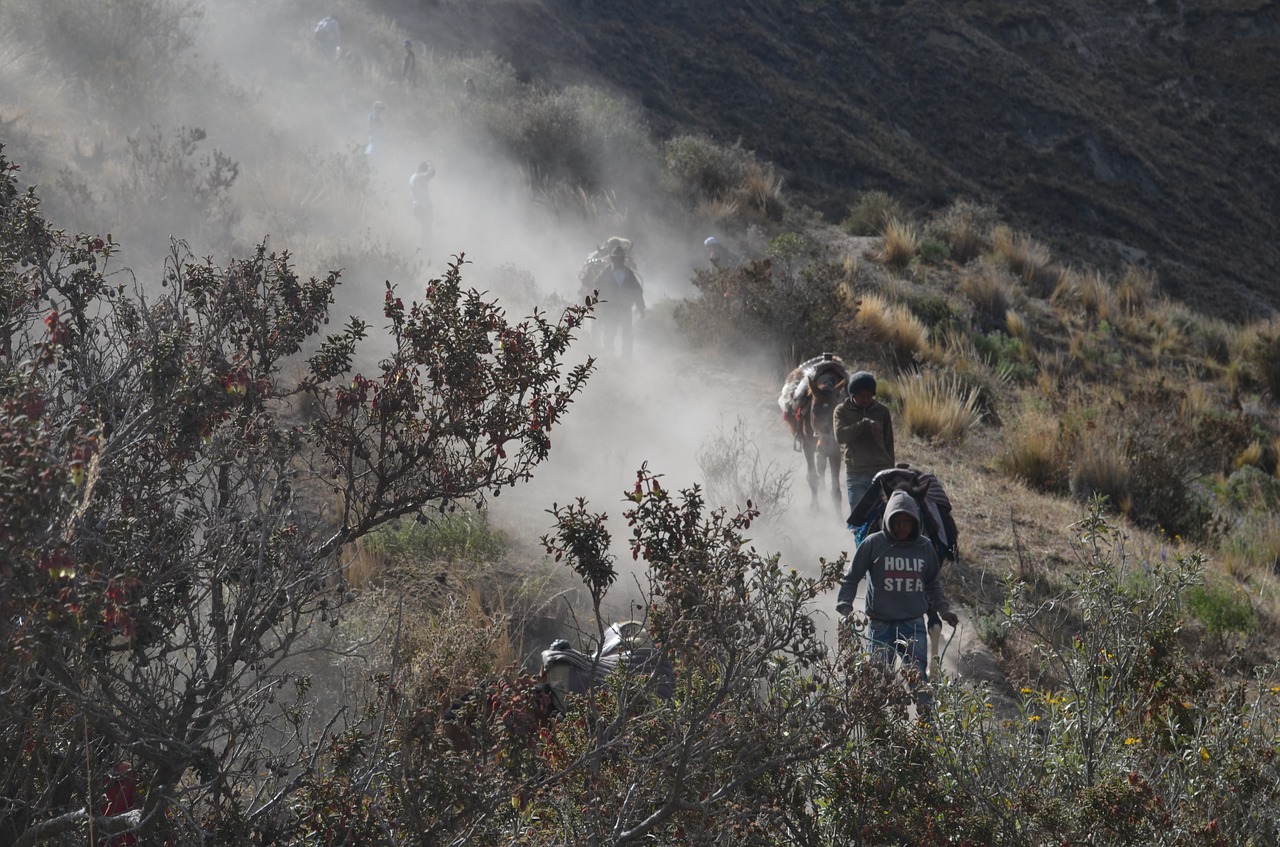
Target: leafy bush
<point x="706" y="168"/>
<point x="1005" y="356"/>
<point x="933" y="252"/>
<point x="766" y="299"/>
<point x="1222" y="610"/>
<point x="871" y="214"/>
<point x="177" y="479"/>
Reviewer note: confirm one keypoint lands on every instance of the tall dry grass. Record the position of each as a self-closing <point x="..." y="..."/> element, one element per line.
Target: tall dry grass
<point x="1033" y="452"/>
<point x="901" y="243"/>
<point x="1027" y="259"/>
<point x="937" y="406"/>
<point x="895" y="326"/>
<point x="1100" y="465"/>
<point x="1087" y="291"/>
<point x="965" y="227"/>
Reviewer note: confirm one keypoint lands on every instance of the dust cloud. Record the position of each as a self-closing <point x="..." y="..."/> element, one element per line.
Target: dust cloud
<point x="296" y="123"/>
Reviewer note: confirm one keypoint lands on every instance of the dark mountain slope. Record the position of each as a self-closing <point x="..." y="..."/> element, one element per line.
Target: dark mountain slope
<point x="1111" y="128"/>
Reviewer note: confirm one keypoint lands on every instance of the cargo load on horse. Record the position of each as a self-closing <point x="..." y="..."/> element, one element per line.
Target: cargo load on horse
<point x="808" y="401"/>
<point x="598" y="260"/>
<point x="926" y="489"/>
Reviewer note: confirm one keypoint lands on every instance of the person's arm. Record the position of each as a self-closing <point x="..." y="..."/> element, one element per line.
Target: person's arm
<point x="852" y="576"/>
<point x="638" y="294"/>
<point x="849" y="422"/>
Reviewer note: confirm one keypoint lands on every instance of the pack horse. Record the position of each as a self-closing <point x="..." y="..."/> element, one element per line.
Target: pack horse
<point x="808" y="402"/>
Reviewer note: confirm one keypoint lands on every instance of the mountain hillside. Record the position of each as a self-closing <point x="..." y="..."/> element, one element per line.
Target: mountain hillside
<point x="1119" y="131"/>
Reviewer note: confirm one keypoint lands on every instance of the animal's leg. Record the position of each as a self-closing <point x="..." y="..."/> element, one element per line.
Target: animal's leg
<point x="811" y="461"/>
<point x="837" y="494"/>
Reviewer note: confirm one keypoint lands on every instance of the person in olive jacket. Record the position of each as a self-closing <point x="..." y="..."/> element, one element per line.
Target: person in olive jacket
<point x="864" y="428"/>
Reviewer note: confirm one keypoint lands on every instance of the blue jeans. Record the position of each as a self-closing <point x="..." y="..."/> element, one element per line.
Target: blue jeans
<point x="857" y="484"/>
<point x="908" y="639"/>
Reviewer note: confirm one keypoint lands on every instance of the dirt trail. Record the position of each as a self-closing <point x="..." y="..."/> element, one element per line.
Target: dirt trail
<point x="660" y="408"/>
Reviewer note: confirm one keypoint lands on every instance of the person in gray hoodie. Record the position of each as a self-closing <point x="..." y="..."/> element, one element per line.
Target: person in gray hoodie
<point x="902" y="569"/>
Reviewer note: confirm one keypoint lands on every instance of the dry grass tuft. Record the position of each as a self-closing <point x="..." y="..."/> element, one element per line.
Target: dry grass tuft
<point x="1019" y="328"/>
<point x="1137" y="287"/>
<point x="937" y="406"/>
<point x="991" y="294"/>
<point x="1089" y="292"/>
<point x="894" y="325"/>
<point x="1101" y="466"/>
<point x="1253" y="550"/>
<point x="718" y="210"/>
<point x="965" y="228"/>
<point x="1027" y="259"/>
<point x="901" y="242"/>
<point x="1259" y="455"/>
<point x="762" y="190"/>
<point x="1033" y="452"/>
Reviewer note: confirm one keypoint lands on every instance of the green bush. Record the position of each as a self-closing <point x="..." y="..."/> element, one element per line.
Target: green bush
<point x="872" y="213"/>
<point x="1004" y="355"/>
<point x="1223" y="611"/>
<point x="932" y="252"/>
<point x="705" y="168"/>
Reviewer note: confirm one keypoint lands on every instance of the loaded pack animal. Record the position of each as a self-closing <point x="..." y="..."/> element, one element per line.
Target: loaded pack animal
<point x="627" y="648"/>
<point x="808" y="402"/>
<point x="524" y="704"/>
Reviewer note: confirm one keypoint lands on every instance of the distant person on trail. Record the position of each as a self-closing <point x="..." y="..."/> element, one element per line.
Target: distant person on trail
<point x="420" y="192"/>
<point x="620" y="292"/>
<point x="469" y="88"/>
<point x="409" y="67"/>
<point x="902" y="568"/>
<point x="328" y="37"/>
<point x="864" y="428"/>
<point x="721" y="257"/>
<point x="377" y="137"/>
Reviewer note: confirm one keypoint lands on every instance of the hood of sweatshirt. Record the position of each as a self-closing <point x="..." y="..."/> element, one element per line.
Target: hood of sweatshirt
<point x="902" y="503"/>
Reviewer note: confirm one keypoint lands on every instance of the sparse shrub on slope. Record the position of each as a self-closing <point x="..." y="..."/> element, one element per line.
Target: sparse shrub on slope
<point x="991" y="293"/>
<point x="705" y="168"/>
<point x="1028" y="259"/>
<point x="799" y="303"/>
<point x="1119" y="738"/>
<point x="736" y="476"/>
<point x="111" y="48"/>
<point x="871" y="214"/>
